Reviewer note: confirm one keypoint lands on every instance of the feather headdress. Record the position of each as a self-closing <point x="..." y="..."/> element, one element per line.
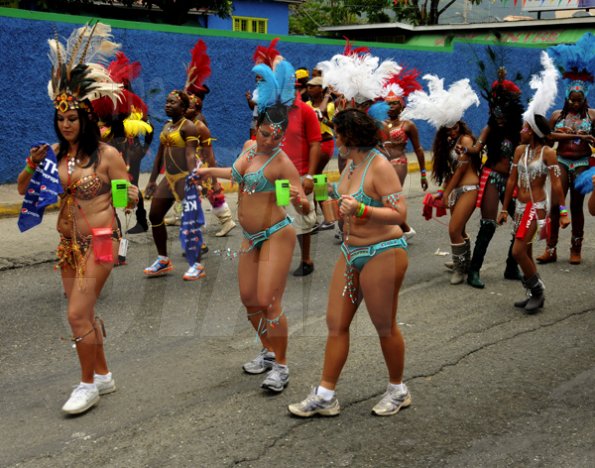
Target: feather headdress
<point x="577" y="62"/>
<point x="78" y="72"/>
<point x="359" y="78"/>
<point x="275" y="87"/>
<point x="266" y="55"/>
<point x="198" y="70"/>
<point x="121" y="70"/>
<point x="401" y="85"/>
<point x="348" y="50"/>
<point x="441" y="108"/>
<point x="546" y="89"/>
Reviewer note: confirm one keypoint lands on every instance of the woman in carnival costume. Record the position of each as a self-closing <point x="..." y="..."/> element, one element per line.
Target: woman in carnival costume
<point x="85" y="167"/>
<point x="269" y="238"/>
<point x="197" y="72"/>
<point x="500" y="137"/>
<point x="533" y="162"/>
<point x="359" y="78"/>
<point x="573" y="129"/>
<point x="124" y="125"/>
<point x="371" y="268"/>
<point x="177" y="151"/>
<point x="454" y="167"/>
<point x="398" y="132"/>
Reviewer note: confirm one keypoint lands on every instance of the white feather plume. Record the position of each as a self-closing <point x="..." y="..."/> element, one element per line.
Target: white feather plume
<point x="392" y="89"/>
<point x="441" y="108"/>
<point x="546" y="88"/>
<point x="360" y="78"/>
<point x="89" y="47"/>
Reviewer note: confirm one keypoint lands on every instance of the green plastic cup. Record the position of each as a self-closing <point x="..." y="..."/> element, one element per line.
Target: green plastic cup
<point x="320" y="187"/>
<point x="282" y="192"/>
<point x="120" y="193"/>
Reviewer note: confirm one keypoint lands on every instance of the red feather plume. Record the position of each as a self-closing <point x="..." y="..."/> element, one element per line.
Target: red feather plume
<point x="128" y="102"/>
<point x="407" y="80"/>
<point x="199" y="69"/>
<point x="122" y="70"/>
<point x="576" y="75"/>
<point x="266" y="55"/>
<point x="506" y="85"/>
<point x="348" y="50"/>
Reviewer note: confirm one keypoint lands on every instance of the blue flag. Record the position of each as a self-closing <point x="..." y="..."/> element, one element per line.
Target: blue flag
<point x="193" y="219"/>
<point x="43" y="190"/>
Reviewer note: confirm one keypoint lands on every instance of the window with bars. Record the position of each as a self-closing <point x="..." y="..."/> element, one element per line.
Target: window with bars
<point x="248" y="24"/>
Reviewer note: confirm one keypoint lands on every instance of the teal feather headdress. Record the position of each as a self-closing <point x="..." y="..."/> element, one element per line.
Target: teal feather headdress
<point x="275" y="87"/>
<point x="577" y="62"/>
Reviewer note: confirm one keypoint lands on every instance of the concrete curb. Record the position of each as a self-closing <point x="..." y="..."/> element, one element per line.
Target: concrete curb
<point x="8" y="210"/>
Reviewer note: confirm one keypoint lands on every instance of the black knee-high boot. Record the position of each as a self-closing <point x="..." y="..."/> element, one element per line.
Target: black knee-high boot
<point x="512" y="267"/>
<point x="487" y="228"/>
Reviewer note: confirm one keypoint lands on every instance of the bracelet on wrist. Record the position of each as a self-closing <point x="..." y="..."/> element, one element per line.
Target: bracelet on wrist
<point x="32" y="164"/>
<point x="29" y="170"/>
<point x="360" y="210"/>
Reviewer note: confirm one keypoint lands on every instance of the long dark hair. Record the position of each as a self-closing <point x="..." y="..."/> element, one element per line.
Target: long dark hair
<point x="443" y="166"/>
<point x="89" y="138"/>
<point x="513" y="115"/>
<point x="357" y="128"/>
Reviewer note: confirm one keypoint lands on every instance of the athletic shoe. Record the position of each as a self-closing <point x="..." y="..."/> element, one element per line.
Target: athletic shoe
<point x="138" y="229"/>
<point x="326" y="226"/>
<point x="304" y="269"/>
<point x="81" y="399"/>
<point x="392" y="401"/>
<point x="409" y="234"/>
<point x="195" y="272"/>
<point x="104" y="386"/>
<point x="277" y="378"/>
<point x="315" y="404"/>
<point x="159" y="267"/>
<point x="261" y="363"/>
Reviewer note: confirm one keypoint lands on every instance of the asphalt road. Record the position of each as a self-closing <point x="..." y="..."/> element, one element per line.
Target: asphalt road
<point x="491" y="386"/>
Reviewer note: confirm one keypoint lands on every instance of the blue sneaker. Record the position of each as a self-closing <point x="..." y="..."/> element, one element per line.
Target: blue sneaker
<point x="159" y="267"/>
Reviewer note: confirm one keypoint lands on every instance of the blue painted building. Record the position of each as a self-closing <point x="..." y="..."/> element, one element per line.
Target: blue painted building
<point x="255" y="16"/>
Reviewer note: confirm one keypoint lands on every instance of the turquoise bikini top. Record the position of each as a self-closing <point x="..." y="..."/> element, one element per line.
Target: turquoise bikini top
<point x="360" y="195"/>
<point x="254" y="182"/>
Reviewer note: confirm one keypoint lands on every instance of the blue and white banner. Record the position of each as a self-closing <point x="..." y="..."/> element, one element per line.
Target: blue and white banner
<point x="193" y="219"/>
<point x="42" y="191"/>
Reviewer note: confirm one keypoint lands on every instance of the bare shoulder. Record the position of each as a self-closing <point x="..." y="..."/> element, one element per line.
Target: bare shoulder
<point x="108" y="152"/>
<point x="466" y="140"/>
<point x="248" y="144"/>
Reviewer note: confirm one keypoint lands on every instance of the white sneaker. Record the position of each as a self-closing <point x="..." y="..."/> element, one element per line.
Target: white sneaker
<point x="195" y="272"/>
<point x="104" y="385"/>
<point x="409" y="234"/>
<point x="81" y="399"/>
<point x="391" y="402"/>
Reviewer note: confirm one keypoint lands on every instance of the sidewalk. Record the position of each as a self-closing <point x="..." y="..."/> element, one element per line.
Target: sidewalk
<point x="11" y="201"/>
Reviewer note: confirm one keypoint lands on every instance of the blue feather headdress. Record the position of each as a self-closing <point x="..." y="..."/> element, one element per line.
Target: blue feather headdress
<point x="577" y="62"/>
<point x="275" y="87"/>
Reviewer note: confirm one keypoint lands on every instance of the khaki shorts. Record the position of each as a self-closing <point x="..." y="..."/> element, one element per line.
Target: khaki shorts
<point x="303" y="224"/>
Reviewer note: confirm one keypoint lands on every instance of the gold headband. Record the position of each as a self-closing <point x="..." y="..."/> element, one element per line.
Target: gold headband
<point x="66" y="101"/>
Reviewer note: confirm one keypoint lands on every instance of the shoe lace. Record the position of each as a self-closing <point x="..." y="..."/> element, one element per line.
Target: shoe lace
<point x="312" y="400"/>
